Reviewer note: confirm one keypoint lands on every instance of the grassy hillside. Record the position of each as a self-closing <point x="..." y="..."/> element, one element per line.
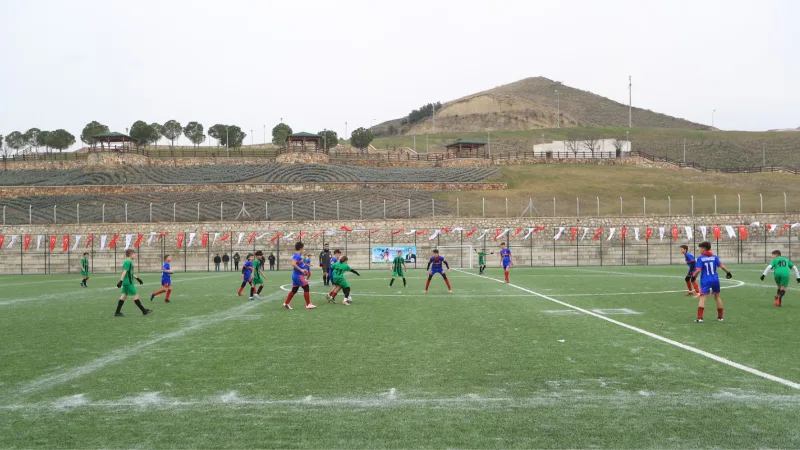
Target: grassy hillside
<point x="568" y="183"/>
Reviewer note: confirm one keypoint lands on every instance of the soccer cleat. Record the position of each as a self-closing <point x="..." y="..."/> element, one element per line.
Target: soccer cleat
<point x="287" y="306"/>
<point x="450" y="291"/>
<point x="696" y="295"/>
<point x="119" y="314"/>
<point x="152" y="296"/>
<point x="250" y="298"/>
<point x="146" y="312"/>
<point x="311" y="306"/>
<point x="167" y="301"/>
<point x="345" y="303"/>
<point x="698" y="320"/>
<point x="256" y="296"/>
<point x="720" y="319"/>
<point x="425" y="291"/>
<point x="688" y="293"/>
<point x="777" y="302"/>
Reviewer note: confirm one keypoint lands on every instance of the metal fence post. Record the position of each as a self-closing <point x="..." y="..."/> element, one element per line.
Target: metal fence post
<point x="644" y="206"/>
<point x="715" y="204"/>
<point x="314" y="210"/>
<point x="761" y="201"/>
<point x="173" y="211"/>
<point x="151" y="212"/>
<point x="54" y="214"/>
<point x="126" y="213"/>
<point x="598" y="206"/>
<point x="337" y="210"/>
<point x="409" y="208"/>
<point x="77" y="213"/>
<point x="577" y="206"/>
<point x="669" y="205"/>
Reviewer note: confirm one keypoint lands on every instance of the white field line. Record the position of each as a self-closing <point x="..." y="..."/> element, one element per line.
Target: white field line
<point x="743" y="283"/>
<point x="49" y="381"/>
<point x="62" y="294"/>
<point x="67" y="278"/>
<point x="154" y="400"/>
<point x="695" y="350"/>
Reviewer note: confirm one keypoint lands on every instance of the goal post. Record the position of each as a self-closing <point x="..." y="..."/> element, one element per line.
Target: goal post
<point x="458" y="256"/>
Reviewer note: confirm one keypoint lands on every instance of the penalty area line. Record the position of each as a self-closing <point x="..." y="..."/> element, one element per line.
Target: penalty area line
<point x="680" y="345"/>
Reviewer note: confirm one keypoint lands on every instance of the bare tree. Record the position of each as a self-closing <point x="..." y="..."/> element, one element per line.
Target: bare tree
<point x="619" y="144"/>
<point x="573" y="143"/>
<point x="592" y="143"/>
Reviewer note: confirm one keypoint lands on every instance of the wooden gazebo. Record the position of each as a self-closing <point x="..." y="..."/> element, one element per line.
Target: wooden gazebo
<point x="304" y="142"/>
<point x="464" y="148"/>
<point x="113" y="137"/>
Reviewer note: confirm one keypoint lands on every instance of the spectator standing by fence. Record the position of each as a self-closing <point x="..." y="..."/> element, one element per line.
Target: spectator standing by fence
<point x="225" y="259"/>
<point x="217" y="260"/>
<point x="271" y="261"/>
<point x="236" y="259"/>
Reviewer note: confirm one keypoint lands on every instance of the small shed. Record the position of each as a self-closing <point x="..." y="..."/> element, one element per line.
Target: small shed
<point x="304" y="142"/>
<point x="465" y="148"/>
<point x="123" y="140"/>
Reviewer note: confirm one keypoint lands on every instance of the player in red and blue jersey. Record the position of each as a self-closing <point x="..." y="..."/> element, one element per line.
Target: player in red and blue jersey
<point x="247" y="276"/>
<point x="505" y="259"/>
<point x="166" y="280"/>
<point x="691" y="279"/>
<point x="707" y="265"/>
<point x="299" y="278"/>
<point x="435" y="266"/>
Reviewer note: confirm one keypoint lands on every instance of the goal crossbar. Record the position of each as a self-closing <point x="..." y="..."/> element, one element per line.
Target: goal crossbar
<point x="460" y="256"/>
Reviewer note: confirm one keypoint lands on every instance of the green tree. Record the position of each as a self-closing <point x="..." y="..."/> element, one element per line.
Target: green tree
<point x="280" y="132"/>
<point x="235" y="136"/>
<point x="41" y="140"/>
<point x="329" y="139"/>
<point x="157" y="133"/>
<point x="142" y="132"/>
<point x="32" y="138"/>
<point x="172" y="130"/>
<point x="360" y="138"/>
<point x="92" y="128"/>
<point x="61" y="139"/>
<point x="218" y="133"/>
<point x="15" y="141"/>
<point x="194" y="131"/>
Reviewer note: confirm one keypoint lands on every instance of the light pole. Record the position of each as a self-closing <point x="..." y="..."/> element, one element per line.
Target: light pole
<point x="325" y="140"/>
<point x="251" y="138"/>
<point x="227" y="149"/>
<point x="712" y="118"/>
<point x="345" y="130"/>
<point x="628" y="139"/>
<point x="265" y="134"/>
<point x="372" y="124"/>
<point x="558" y="103"/>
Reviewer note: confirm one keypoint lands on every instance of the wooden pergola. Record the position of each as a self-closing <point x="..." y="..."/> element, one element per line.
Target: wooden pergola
<point x="303" y="142"/>
<point x="113" y="137"/>
<point x="464" y="148"/>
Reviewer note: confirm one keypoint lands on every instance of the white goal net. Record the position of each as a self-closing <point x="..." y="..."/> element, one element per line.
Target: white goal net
<point x="458" y="256"/>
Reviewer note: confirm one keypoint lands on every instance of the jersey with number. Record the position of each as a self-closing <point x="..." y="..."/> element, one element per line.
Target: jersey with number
<point x="436" y="264"/>
<point x="339" y="269"/>
<point x="298" y="259"/>
<point x="781" y="266"/>
<point x="85" y="264"/>
<point x="506" y="255"/>
<point x="708" y="265"/>
<point x="247" y="270"/>
<point x="166" y="277"/>
<point x="257" y="266"/>
<point x="397" y="264"/>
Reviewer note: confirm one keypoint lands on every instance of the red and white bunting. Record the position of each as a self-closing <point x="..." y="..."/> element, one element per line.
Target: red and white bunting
<point x="345" y="228"/>
<point x="410" y="232"/>
<point x="703" y="230"/>
<point x="611" y="233"/>
<point x="77" y="241"/>
<point x="317" y="234"/>
<point x="89" y="240"/>
<point x="2" y="239"/>
<point x="275" y="238"/>
<point x="661" y="233"/>
<point x="13" y="241"/>
<point x="180" y="240"/>
<point x="731" y="232"/>
<point x="558" y="234"/>
<point x="191" y="239"/>
<point x="38" y="242"/>
<point x="530" y="232"/>
<point x="128" y="241"/>
<point x="647" y="233"/>
<point x="65" y="243"/>
<point x="624" y="233"/>
<point x="573" y="233"/>
<point x="103" y="240"/>
<point x="485" y="232"/>
<point x="785" y="227"/>
<point x="397" y="231"/>
<point x="597" y="234"/>
<point x="434" y="235"/>
<point x="689" y="233"/>
<point x="742" y="232"/>
<point x="500" y="233"/>
<point x="150" y="239"/>
<point x="241" y="236"/>
<point x="636" y="233"/>
<point x="470" y="232"/>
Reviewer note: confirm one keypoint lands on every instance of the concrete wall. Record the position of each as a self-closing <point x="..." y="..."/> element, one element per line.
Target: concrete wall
<point x="539" y="250"/>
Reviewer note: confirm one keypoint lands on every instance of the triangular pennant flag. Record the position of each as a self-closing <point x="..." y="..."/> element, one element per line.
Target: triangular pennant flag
<point x="446" y="230"/>
<point x="517" y="232"/>
<point x="530" y="231"/>
<point x="410" y="232"/>
<point x="275" y="238"/>
<point x="434" y="235"/>
<point x="485" y="232"/>
<point x="785" y="227"/>
<point x="742" y="232"/>
<point x="497" y="233"/>
<point x="636" y="233"/>
<point x="191" y="239"/>
<point x="150" y="239"/>
<point x="457" y="229"/>
<point x="204" y="240"/>
<point x="539" y="228"/>
<point x="288" y="236"/>
<point x="38" y="242"/>
<point x="13" y="241"/>
<point x="2" y="238"/>
<point x="502" y="233"/>
<point x="660" y="233"/>
<point x="301" y="236"/>
<point x="731" y="233"/>
<point x="128" y="240"/>
<point x="331" y="232"/>
<point x="585" y="232"/>
<point x="65" y="243"/>
<point x="421" y="232"/>
<point x="103" y="240"/>
<point x="675" y="233"/>
<point x="574" y="232"/>
<point x="597" y="234"/>
<point x="260" y="236"/>
<point x="214" y="241"/>
<point x="647" y="233"/>
<point x="397" y="231"/>
<point x="241" y="235"/>
<point x="113" y="242"/>
<point x="469" y="233"/>
<point x="717" y="232"/>
<point x="795" y="225"/>
<point x="180" y="240"/>
<point x="77" y="241"/>
<point x="225" y="237"/>
<point x="689" y="232"/>
<point x="138" y="242"/>
<point x="624" y="232"/>
<point x="703" y="230"/>
<point x="370" y="233"/>
<point x="611" y="233"/>
<point x="345" y="228"/>
<point x="89" y="240"/>
<point x="771" y="227"/>
<point x="558" y="233"/>
<point x="252" y="236"/>
<point x="317" y="234"/>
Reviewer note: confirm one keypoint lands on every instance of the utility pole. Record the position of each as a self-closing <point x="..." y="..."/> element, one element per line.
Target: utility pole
<point x="558" y="103"/>
<point x="630" y="102"/>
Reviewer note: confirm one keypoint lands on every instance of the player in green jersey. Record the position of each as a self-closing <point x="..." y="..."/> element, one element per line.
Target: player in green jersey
<point x="126" y="283"/>
<point x="258" y="276"/>
<point x="340" y="282"/>
<point x="482" y="260"/>
<point x="84" y="269"/>
<point x="398" y="268"/>
<point x="781" y="265"/>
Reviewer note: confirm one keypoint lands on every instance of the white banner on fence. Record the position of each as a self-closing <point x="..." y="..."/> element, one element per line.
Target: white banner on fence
<point x="150" y="239"/>
<point x="486" y="231"/>
<point x="585" y="232"/>
<point x="636" y="233"/>
<point x="689" y="232"/>
<point x="77" y="240"/>
<point x="128" y="239"/>
<point x="409" y="232"/>
<point x="703" y="230"/>
<point x="731" y="233"/>
<point x="502" y="234"/>
<point x="39" y="241"/>
<point x="560" y="231"/>
<point x="434" y="235"/>
<point x="530" y="231"/>
<point x="241" y="235"/>
<point x="103" y="239"/>
<point x="660" y="233"/>
<point x="13" y="241"/>
<point x="611" y="233"/>
<point x="191" y="239"/>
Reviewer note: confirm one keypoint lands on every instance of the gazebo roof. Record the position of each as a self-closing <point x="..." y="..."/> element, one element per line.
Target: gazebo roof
<point x="304" y="134"/>
<point x="113" y="136"/>
<point x="465" y="142"/>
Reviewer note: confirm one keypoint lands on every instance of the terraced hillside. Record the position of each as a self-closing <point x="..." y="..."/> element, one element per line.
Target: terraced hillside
<point x="234" y="173"/>
<point x="728" y="154"/>
<point x="353" y="205"/>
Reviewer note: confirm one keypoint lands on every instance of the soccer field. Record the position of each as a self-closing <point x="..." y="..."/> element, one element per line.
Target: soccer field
<point x="562" y="357"/>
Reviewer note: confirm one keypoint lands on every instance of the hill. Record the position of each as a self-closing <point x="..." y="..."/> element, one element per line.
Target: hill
<point x="529" y="104"/>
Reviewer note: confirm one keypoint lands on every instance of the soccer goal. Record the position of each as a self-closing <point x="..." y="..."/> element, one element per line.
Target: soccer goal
<point x="458" y="256"/>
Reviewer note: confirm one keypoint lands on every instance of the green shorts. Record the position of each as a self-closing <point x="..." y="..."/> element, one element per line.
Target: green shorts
<point x="397" y="273"/>
<point x="258" y="281"/>
<point x="84" y="273"/>
<point x="128" y="289"/>
<point x="782" y="280"/>
<point x="341" y="282"/>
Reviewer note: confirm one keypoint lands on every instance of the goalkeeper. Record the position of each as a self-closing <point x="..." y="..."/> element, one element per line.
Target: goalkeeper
<point x="781" y="264"/>
<point x="126" y="283"/>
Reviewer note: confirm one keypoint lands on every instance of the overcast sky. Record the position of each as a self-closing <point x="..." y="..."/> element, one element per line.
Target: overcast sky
<point x="319" y="63"/>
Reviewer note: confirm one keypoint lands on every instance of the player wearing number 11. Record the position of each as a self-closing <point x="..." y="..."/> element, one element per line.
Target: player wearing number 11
<point x="707" y="264"/>
<point x="781" y="265"/>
